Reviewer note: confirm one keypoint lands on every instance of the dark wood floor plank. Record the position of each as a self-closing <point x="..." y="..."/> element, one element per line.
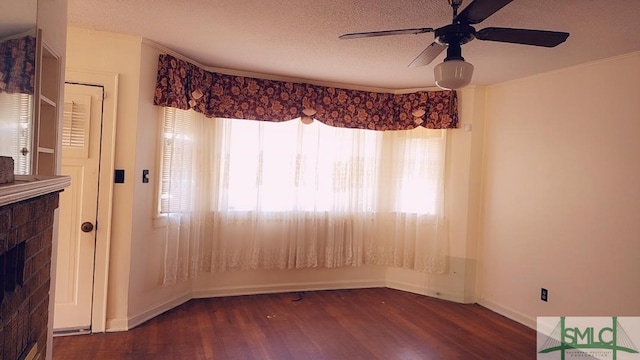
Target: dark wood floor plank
<point x="339" y="324"/>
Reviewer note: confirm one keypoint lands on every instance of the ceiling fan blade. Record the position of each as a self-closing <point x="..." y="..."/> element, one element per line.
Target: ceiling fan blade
<point x="523" y="36"/>
<point x="479" y="10"/>
<point x="386" y="33"/>
<point x="428" y="54"/>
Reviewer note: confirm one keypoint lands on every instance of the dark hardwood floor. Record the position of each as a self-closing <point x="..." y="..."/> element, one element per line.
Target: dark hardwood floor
<point x="338" y="324"/>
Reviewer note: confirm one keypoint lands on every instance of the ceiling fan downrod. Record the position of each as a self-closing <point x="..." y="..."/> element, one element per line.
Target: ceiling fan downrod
<point x="455" y="4"/>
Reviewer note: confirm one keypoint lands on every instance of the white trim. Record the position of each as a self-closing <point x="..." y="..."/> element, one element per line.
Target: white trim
<point x="166" y="50"/>
<point x="29" y="186"/>
<point x="109" y="81"/>
<point x="117" y="325"/>
<point x="285" y="287"/>
<point x="31" y="32"/>
<point x="514" y="315"/>
<point x="114" y="325"/>
<point x="154" y="311"/>
<point x="160" y="220"/>
<point x="417" y="289"/>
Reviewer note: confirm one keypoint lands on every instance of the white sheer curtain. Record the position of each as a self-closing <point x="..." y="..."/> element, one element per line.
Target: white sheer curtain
<point x="241" y="194"/>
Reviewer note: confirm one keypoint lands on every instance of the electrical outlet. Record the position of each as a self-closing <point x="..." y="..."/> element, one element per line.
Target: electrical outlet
<point x="544" y="294"/>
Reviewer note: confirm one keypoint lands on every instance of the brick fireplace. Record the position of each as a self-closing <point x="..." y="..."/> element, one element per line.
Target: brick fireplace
<point x="26" y="232"/>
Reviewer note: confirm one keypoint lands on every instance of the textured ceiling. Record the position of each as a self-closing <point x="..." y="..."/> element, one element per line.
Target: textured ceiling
<point x="299" y="38"/>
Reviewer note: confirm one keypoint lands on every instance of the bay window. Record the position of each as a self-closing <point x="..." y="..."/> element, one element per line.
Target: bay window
<point x="243" y="194"/>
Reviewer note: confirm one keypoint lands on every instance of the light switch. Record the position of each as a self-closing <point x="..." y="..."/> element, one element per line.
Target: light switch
<point x="119" y="176"/>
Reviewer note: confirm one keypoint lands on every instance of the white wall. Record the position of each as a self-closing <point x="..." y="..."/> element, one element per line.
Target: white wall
<point x="89" y="50"/>
<point x="52" y="19"/>
<point x="562" y="193"/>
<point x="147" y="297"/>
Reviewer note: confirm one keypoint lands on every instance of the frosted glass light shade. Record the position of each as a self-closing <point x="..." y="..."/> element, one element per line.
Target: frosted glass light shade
<point x="453" y="74"/>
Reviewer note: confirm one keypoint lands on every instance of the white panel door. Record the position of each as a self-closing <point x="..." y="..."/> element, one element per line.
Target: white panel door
<point x="78" y="207"/>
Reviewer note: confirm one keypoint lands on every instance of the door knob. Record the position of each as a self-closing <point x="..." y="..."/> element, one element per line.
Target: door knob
<point x="86" y="227"/>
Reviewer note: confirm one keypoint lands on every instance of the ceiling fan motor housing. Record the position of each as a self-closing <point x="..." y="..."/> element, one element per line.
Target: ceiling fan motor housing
<point x="455" y="34"/>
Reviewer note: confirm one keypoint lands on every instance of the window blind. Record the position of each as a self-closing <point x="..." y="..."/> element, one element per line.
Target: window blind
<point x="16" y="112"/>
<point x="75" y="125"/>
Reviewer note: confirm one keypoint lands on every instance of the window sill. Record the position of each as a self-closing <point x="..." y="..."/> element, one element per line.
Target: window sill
<point x="160" y="221"/>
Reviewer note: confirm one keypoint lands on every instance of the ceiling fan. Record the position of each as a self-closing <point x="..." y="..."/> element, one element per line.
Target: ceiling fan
<point x="454" y="72"/>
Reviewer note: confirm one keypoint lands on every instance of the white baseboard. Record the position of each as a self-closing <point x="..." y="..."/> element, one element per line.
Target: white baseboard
<point x="114" y="325"/>
<point x="157" y="310"/>
<point x="412" y="288"/>
<point x="509" y="313"/>
<point x="117" y="325"/>
<point x="285" y="287"/>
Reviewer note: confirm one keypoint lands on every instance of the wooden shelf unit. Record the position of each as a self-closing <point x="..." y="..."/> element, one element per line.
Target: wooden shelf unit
<point x="45" y="126"/>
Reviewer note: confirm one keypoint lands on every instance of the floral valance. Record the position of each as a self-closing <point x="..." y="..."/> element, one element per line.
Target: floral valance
<point x="183" y="85"/>
<point x="17" y="65"/>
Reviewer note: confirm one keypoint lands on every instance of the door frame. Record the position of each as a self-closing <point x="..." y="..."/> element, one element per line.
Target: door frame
<point x="109" y="81"/>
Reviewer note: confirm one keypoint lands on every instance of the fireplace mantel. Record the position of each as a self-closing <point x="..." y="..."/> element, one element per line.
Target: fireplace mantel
<point x="29" y="186"/>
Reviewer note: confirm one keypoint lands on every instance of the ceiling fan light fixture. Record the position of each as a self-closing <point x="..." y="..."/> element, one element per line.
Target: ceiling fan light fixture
<point x="453" y="74"/>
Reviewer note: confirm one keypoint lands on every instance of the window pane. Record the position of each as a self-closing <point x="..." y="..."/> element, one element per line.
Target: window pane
<point x="289" y="166"/>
